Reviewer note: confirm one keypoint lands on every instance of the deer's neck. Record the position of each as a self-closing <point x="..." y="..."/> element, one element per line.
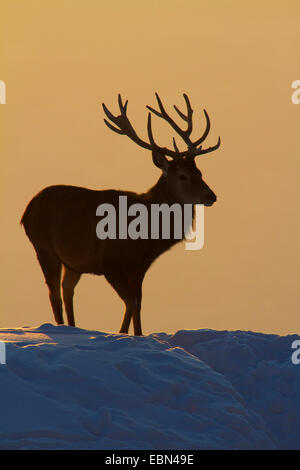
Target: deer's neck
<point x="159" y="194"/>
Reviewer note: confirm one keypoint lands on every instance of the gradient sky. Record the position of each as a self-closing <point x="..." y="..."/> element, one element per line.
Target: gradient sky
<point x="60" y="59"/>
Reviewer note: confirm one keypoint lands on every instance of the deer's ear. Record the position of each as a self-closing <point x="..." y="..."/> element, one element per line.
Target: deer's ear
<point x="160" y="160"/>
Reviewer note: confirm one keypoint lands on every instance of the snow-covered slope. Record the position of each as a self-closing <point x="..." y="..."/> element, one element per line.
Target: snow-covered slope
<point x="68" y="388"/>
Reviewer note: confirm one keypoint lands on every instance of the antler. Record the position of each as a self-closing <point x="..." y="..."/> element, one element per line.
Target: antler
<point x="125" y="128"/>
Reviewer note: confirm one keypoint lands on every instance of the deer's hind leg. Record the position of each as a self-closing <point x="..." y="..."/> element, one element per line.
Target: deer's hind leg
<point x="70" y="279"/>
<point x="51" y="267"/>
<point x="129" y="289"/>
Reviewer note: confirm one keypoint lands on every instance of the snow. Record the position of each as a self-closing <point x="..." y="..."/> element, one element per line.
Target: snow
<point x="69" y="388"/>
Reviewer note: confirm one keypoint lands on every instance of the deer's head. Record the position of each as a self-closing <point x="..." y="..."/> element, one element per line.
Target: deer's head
<point x="182" y="177"/>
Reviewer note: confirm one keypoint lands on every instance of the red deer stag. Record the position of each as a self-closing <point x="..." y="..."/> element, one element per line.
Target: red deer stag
<point x="60" y="221"/>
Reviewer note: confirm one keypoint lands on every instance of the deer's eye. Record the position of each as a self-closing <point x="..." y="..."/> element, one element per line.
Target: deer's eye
<point x="183" y="177"/>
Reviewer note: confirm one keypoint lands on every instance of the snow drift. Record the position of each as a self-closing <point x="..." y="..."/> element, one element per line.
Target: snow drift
<point x="68" y="388"/>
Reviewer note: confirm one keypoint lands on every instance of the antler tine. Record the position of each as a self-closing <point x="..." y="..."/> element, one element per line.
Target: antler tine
<point x="123" y="108"/>
<point x="184" y="134"/>
<point x="205" y="133"/>
<point x="175" y="145"/>
<point x="115" y="129"/>
<point x="114" y="119"/>
<point x="108" y="113"/>
<point x="150" y="133"/>
<point x="181" y="114"/>
<point x="161" y="106"/>
<point x="123" y="123"/>
<point x="163" y="150"/>
<point x="159" y="114"/>
<point x="154" y="145"/>
<point x="209" y="149"/>
<point x="186" y="117"/>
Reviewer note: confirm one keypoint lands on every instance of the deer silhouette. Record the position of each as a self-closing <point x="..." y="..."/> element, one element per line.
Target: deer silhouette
<point x="61" y="220"/>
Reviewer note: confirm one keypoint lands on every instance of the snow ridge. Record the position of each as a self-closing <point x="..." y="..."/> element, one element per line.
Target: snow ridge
<point x="69" y="388"/>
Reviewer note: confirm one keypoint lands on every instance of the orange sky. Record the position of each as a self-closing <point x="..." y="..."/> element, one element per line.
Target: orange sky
<point x="60" y="59"/>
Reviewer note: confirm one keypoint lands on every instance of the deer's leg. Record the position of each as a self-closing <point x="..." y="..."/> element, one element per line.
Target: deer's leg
<point x="51" y="267"/>
<point x="136" y="286"/>
<point x="129" y="310"/>
<point x="70" y="279"/>
<point x="129" y="289"/>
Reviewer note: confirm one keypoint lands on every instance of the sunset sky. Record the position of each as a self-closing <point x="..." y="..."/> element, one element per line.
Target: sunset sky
<point x="60" y="59"/>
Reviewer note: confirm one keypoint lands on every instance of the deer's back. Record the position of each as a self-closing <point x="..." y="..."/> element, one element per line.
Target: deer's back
<point x="62" y="219"/>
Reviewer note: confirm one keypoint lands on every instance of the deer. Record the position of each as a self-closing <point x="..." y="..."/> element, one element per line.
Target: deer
<point x="60" y="221"/>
